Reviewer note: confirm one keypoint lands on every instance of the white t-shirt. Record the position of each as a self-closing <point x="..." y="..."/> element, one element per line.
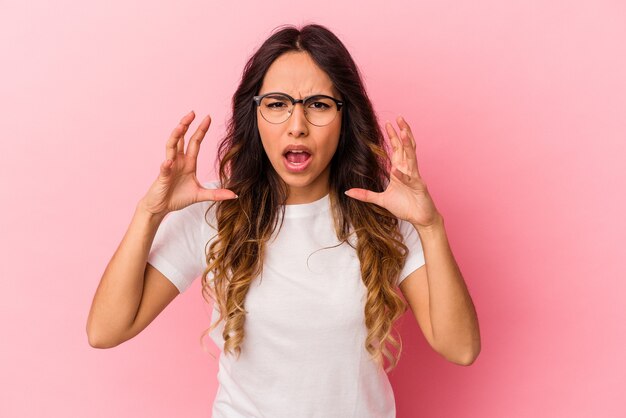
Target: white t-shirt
<point x="303" y="352"/>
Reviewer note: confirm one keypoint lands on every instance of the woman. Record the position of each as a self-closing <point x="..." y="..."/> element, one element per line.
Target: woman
<point x="310" y="231"/>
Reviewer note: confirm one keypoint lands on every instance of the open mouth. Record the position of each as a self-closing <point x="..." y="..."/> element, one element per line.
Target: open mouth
<point x="296" y="160"/>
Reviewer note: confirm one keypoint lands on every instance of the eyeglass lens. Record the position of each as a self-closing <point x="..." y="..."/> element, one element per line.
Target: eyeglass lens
<point x="318" y="110"/>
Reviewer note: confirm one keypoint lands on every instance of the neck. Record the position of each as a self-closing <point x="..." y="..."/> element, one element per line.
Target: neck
<point x="296" y="199"/>
<point x="299" y="196"/>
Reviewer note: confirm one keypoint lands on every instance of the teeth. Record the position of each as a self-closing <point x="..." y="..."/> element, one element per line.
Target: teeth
<point x="296" y="152"/>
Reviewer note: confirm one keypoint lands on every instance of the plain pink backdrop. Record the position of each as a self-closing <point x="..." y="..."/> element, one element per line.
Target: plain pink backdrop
<point x="519" y="113"/>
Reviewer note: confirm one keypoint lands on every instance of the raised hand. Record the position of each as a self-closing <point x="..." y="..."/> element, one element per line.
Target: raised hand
<point x="406" y="195"/>
<point x="177" y="185"/>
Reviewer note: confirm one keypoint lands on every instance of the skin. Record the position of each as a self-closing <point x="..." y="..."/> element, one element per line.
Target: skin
<point x="296" y="74"/>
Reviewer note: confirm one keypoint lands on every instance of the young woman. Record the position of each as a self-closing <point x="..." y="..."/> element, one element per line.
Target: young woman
<point x="301" y="243"/>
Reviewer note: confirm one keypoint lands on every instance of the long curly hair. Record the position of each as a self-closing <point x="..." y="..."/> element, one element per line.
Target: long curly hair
<point x="244" y="225"/>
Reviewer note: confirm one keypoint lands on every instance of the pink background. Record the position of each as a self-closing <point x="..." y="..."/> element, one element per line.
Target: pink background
<point x="519" y="112"/>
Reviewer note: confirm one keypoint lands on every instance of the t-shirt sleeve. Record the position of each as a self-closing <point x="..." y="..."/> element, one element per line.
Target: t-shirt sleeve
<point x="178" y="247"/>
<point x="415" y="258"/>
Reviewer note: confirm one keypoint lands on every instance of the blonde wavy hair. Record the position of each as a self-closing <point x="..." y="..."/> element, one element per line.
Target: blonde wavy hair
<point x="234" y="256"/>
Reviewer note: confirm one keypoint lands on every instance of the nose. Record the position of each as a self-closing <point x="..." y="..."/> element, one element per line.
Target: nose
<point x="297" y="121"/>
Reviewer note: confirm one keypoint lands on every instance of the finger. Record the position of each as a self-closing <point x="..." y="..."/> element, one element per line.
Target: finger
<point x="166" y="168"/>
<point x="180" y="145"/>
<point x="398" y="153"/>
<point x="364" y="195"/>
<point x="408" y="143"/>
<point x="394" y="144"/>
<point x="194" y="142"/>
<point x="216" y="194"/>
<point x="186" y="121"/>
<point x="178" y="132"/>
<point x="170" y="146"/>
<point x="402" y="123"/>
<point x="409" y="151"/>
<point x="400" y="161"/>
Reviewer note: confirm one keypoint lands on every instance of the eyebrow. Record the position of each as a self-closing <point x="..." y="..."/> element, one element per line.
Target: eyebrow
<point x="305" y="97"/>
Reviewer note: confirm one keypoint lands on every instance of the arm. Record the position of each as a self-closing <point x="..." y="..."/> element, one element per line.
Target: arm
<point x="436" y="293"/>
<point x="131" y="293"/>
<point x="440" y="301"/>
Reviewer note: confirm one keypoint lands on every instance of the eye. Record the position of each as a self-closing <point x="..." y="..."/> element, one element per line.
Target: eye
<point x="319" y="105"/>
<point x="276" y="105"/>
<point x="276" y="102"/>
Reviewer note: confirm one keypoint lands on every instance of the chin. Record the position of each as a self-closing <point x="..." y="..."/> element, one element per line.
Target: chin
<point x="297" y="182"/>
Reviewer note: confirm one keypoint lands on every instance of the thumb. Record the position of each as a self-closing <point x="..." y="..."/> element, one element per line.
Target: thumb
<point x="216" y="194"/>
<point x="363" y="195"/>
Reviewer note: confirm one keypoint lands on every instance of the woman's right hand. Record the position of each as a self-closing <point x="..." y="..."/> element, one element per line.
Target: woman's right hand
<point x="177" y="185"/>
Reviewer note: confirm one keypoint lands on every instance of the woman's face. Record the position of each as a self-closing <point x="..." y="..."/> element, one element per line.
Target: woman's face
<point x="296" y="74"/>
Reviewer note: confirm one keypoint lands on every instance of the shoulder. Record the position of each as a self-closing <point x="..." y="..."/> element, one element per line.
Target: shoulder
<point x="406" y="228"/>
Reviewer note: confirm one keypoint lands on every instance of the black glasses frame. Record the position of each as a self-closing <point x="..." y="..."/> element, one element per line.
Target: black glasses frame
<point x="257" y="100"/>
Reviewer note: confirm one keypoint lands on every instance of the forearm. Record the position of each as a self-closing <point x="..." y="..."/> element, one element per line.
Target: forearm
<point x="118" y="295"/>
<point x="452" y="314"/>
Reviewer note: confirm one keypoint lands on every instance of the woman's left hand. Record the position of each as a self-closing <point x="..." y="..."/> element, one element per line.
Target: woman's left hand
<point x="406" y="195"/>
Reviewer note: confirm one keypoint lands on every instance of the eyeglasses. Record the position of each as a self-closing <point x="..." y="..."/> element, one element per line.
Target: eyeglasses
<point x="277" y="107"/>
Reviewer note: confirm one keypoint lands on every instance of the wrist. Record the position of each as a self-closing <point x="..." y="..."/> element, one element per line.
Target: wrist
<point x="436" y="226"/>
<point x="143" y="213"/>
